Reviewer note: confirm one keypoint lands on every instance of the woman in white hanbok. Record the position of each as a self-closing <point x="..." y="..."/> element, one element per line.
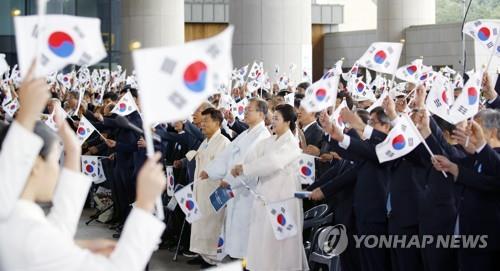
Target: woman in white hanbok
<point x="276" y="165"/>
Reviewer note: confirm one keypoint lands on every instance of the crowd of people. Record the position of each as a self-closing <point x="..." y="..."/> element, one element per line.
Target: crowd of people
<point x="255" y="156"/>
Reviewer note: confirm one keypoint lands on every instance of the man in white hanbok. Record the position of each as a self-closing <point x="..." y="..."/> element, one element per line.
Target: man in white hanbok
<point x="205" y="232"/>
<point x="275" y="164"/>
<point x="240" y="150"/>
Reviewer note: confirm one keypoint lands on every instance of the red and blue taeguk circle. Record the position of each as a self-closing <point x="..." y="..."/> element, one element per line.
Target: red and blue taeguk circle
<point x="360" y="87"/>
<point x="122" y="107"/>
<point x="281" y="219"/>
<point x="220" y="243"/>
<point x="380" y="57"/>
<point x="82" y="131"/>
<point x="411" y="69"/>
<point x="306" y="171"/>
<point x="61" y="44"/>
<point x="484" y="33"/>
<point x="89" y="168"/>
<point x="399" y="142"/>
<point x="444" y="96"/>
<point x="320" y="94"/>
<point x="195" y="76"/>
<point x="189" y="205"/>
<point x="472" y="95"/>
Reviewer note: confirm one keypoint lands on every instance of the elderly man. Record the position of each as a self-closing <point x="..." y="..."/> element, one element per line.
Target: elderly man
<point x="240" y="150"/>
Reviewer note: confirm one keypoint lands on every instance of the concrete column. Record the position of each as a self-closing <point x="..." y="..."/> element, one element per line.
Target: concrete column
<point x="153" y="23"/>
<point x="277" y="32"/>
<point x="393" y="16"/>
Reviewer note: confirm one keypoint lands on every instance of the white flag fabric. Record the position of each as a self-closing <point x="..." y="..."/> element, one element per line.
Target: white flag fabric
<point x="281" y="219"/>
<point x="458" y="81"/>
<point x="439" y="98"/>
<point x="283" y="82"/>
<point x="188" y="204"/>
<point x="378" y="102"/>
<point x="486" y="32"/>
<point x="4" y="67"/>
<point x="65" y="80"/>
<point x="401" y="140"/>
<point x="353" y="72"/>
<point x="382" y="57"/>
<point x="410" y="73"/>
<point x="336" y="119"/>
<point x="323" y="93"/>
<point x="11" y="107"/>
<point x="187" y="74"/>
<point x="240" y="73"/>
<point x="238" y="109"/>
<point x="467" y="103"/>
<point x="255" y="71"/>
<point x="125" y="105"/>
<point x="92" y="167"/>
<point x="84" y="130"/>
<point x="48" y="119"/>
<point x="253" y="85"/>
<point x="170" y="181"/>
<point x="63" y="40"/>
<point x="290" y="99"/>
<point x="306" y="169"/>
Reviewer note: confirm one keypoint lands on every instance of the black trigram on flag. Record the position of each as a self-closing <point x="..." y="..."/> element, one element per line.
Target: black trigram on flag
<point x="389" y="153"/>
<point x="213" y="51"/>
<point x="462" y="109"/>
<point x="168" y="65"/>
<point x="438" y="103"/>
<point x="177" y="99"/>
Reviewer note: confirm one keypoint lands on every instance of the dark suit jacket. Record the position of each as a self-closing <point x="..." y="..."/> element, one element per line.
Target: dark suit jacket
<point x="238" y="127"/>
<point x="314" y="135"/>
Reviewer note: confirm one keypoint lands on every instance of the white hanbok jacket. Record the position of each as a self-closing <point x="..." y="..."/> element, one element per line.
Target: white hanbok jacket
<point x="17" y="157"/>
<point x="32" y="241"/>
<point x="205" y="231"/>
<point x="239" y="208"/>
<point x="276" y="166"/>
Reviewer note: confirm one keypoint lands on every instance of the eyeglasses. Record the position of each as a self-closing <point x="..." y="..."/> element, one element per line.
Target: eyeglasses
<point x="373" y="122"/>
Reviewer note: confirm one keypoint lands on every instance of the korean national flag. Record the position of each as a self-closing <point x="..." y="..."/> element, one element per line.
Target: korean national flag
<point x="486" y="32"/>
<point x="125" y="106"/>
<point x="11" y="107"/>
<point x="440" y="97"/>
<point x="382" y="57"/>
<point x="84" y="130"/>
<point x="401" y="140"/>
<point x="238" y="109"/>
<point x="175" y="80"/>
<point x="281" y="219"/>
<point x="323" y="93"/>
<point x="467" y="103"/>
<point x="92" y="167"/>
<point x="170" y="181"/>
<point x="306" y="169"/>
<point x="63" y="40"/>
<point x="336" y="119"/>
<point x="188" y="204"/>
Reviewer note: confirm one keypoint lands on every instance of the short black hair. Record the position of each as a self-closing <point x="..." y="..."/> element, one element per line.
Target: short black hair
<point x="282" y="93"/>
<point x="363" y="114"/>
<point x="381" y="115"/>
<point x="132" y="91"/>
<point x="214" y="114"/>
<point x="304" y="85"/>
<point x="348" y="99"/>
<point x="288" y="113"/>
<point x="110" y="95"/>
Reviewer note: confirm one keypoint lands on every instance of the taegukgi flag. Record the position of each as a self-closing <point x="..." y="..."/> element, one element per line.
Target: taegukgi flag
<point x="174" y="80"/>
<point x="63" y="40"/>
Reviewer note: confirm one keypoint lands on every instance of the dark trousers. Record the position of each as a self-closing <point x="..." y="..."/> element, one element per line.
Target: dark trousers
<point x="374" y="259"/>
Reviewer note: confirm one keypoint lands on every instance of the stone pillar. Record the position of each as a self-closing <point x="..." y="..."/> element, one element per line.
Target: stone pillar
<point x="277" y="32"/>
<point x="153" y="23"/>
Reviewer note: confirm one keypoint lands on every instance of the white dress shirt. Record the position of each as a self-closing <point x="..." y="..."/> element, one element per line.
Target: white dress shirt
<point x="17" y="157"/>
<point x="32" y="241"/>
